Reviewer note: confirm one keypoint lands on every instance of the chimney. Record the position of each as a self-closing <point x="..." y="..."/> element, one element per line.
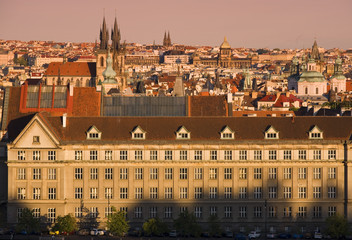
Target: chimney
<point x="64" y="120"/>
<point x="229" y="98"/>
<point x="71" y="89"/>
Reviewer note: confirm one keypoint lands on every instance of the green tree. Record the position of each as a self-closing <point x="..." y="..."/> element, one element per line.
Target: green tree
<point x="337" y="226"/>
<point x="187" y="225"/>
<point x="154" y="226"/>
<point x="27" y="222"/>
<point x="214" y="226"/>
<point x="66" y="224"/>
<point x="117" y="223"/>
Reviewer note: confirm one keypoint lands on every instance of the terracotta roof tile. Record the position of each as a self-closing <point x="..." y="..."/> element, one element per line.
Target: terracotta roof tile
<point x="71" y="69"/>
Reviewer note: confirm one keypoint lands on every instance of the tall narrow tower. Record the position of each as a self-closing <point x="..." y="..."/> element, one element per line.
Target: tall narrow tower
<point x="101" y="52"/>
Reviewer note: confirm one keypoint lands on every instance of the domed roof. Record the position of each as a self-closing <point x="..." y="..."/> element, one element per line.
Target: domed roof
<point x="225" y="44"/>
<point x="109" y="74"/>
<point x="311" y="76"/>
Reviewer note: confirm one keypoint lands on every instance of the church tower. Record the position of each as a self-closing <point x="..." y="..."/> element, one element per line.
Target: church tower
<point x="101" y="52"/>
<point x="167" y="40"/>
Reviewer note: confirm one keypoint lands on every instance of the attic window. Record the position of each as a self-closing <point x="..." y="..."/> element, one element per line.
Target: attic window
<point x="227" y="133"/>
<point x="93" y="133"/>
<point x="138" y="133"/>
<point x="36" y="139"/>
<point x="271" y="133"/>
<point x="183" y="133"/>
<point x="315" y="133"/>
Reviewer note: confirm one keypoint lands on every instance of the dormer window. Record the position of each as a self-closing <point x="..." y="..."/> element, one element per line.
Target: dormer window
<point x="271" y="133"/>
<point x="227" y="133"/>
<point x="315" y="133"/>
<point x="93" y="133"/>
<point x="138" y="133"/>
<point x="183" y="133"/>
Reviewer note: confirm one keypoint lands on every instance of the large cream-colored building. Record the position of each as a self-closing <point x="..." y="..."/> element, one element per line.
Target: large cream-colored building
<point x="289" y="174"/>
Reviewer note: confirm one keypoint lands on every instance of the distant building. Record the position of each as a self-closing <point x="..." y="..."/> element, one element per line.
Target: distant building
<point x="167" y="40"/>
<point x="338" y="80"/>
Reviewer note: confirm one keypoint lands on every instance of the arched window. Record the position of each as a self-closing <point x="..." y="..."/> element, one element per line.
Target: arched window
<point x="316" y="91"/>
<point x="101" y="61"/>
<point x="306" y="90"/>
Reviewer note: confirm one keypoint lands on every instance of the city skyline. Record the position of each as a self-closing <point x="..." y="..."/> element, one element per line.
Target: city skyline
<point x="255" y="23"/>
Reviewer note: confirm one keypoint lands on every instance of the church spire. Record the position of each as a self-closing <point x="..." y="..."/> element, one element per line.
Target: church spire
<point x="104" y="36"/>
<point x="168" y="39"/>
<point x="115" y="36"/>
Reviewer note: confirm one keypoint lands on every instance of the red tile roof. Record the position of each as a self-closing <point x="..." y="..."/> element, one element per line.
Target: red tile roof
<point x="71" y="69"/>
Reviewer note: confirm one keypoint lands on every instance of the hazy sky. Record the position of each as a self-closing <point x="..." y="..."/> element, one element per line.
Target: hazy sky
<point x="246" y="23"/>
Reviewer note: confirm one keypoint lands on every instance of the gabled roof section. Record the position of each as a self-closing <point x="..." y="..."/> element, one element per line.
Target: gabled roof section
<point x="93" y="133"/>
<point x="271" y="132"/>
<point x="138" y="133"/>
<point x="315" y="132"/>
<point x="227" y="133"/>
<point x="183" y="133"/>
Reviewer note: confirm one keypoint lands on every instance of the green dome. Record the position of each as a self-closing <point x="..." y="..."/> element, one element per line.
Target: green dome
<point x="109" y="74"/>
<point x="311" y="76"/>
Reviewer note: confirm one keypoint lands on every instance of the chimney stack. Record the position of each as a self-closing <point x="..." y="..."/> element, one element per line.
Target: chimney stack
<point x="64" y="120"/>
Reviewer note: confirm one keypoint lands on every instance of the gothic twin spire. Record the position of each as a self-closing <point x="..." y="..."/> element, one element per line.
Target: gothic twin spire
<point x="167" y="40"/>
<point x="115" y="37"/>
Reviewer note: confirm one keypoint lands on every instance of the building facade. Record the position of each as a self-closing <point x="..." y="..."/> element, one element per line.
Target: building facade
<point x="288" y="174"/>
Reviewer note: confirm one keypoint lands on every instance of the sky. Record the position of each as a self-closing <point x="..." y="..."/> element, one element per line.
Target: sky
<point x="245" y="23"/>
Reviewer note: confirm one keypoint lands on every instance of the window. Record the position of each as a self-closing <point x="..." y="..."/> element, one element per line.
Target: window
<point x="108" y="212"/>
<point x="243" y="155"/>
<point x="257" y="154"/>
<point x="21" y="173"/>
<point x="213" y="173"/>
<point x="198" y="212"/>
<point x="168" y="212"/>
<point x="21" y="193"/>
<point x="93" y="212"/>
<point x="21" y="155"/>
<point x="78" y="155"/>
<point x="272" y="192"/>
<point x="228" y="173"/>
<point x="123" y="155"/>
<point x="36" y="193"/>
<point x="93" y="155"/>
<point x="257" y="192"/>
<point x="36" y="173"/>
<point x="153" y="193"/>
<point x="36" y="212"/>
<point x="93" y="193"/>
<point x="123" y="193"/>
<point x="51" y="193"/>
<point x="227" y="136"/>
<point x="78" y="173"/>
<point x="316" y="154"/>
<point x="51" y="173"/>
<point x="183" y="209"/>
<point x="287" y="173"/>
<point x="108" y="155"/>
<point x="272" y="154"/>
<point x="332" y="154"/>
<point x="153" y="212"/>
<point x="242" y="193"/>
<point x="109" y="193"/>
<point x="257" y="173"/>
<point x="198" y="192"/>
<point x="198" y="173"/>
<point x="315" y="135"/>
<point x="302" y="154"/>
<point x="213" y="192"/>
<point x="183" y="155"/>
<point x="213" y="210"/>
<point x="183" y="135"/>
<point x="108" y="173"/>
<point x="302" y="212"/>
<point x="302" y="192"/>
<point x="183" y="173"/>
<point x="228" y="193"/>
<point x="272" y="173"/>
<point x="168" y="193"/>
<point x="153" y="173"/>
<point x="287" y="192"/>
<point x="317" y="212"/>
<point x="331" y="211"/>
<point x="123" y="173"/>
<point x="19" y="213"/>
<point x="183" y="192"/>
<point x="78" y="193"/>
<point x="287" y="154"/>
<point x="272" y="135"/>
<point x="243" y="173"/>
<point x="242" y="212"/>
<point x="272" y="212"/>
<point x="331" y="192"/>
<point x="36" y="155"/>
<point x="138" y="193"/>
<point x="51" y="155"/>
<point x="51" y="214"/>
<point x="93" y="136"/>
<point x="153" y="155"/>
<point x="213" y="155"/>
<point x="138" y="135"/>
<point x="302" y="173"/>
<point x="36" y="139"/>
<point x="257" y="212"/>
<point x="317" y="173"/>
<point x="228" y="212"/>
<point x="138" y="173"/>
<point x="94" y="173"/>
<point x="198" y="155"/>
<point x="168" y="155"/>
<point x="138" y="155"/>
<point x="168" y="173"/>
<point x="124" y="210"/>
<point x="228" y="155"/>
<point x="316" y="192"/>
<point x="331" y="173"/>
<point x="288" y="212"/>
